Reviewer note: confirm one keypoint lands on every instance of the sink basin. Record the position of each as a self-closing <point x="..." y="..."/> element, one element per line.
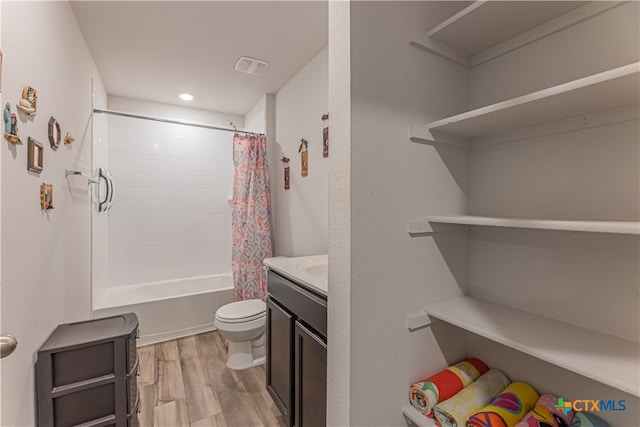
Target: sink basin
<point x="317" y="268"/>
<point x="311" y="271"/>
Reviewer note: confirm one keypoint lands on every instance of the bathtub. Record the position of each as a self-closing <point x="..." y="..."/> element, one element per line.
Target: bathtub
<point x="168" y="309"/>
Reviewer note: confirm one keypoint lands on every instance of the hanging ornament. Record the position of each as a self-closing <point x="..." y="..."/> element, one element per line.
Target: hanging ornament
<point x="325" y="135"/>
<point x="68" y="138"/>
<point x="304" y="157"/>
<point x="285" y="160"/>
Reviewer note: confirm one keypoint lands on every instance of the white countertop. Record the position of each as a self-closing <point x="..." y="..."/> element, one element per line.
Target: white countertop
<point x="304" y="270"/>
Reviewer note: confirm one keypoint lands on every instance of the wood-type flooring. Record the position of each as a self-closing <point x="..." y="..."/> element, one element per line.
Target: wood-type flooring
<point x="185" y="382"/>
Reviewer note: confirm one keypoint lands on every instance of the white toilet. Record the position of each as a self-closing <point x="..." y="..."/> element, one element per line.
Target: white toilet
<point x="243" y="323"/>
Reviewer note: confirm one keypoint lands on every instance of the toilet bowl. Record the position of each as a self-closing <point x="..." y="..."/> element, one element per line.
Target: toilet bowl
<point x="243" y="323"/>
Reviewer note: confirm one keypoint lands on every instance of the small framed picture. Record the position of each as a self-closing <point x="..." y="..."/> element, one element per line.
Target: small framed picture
<point x="35" y="156"/>
<point x="55" y="135"/>
<point x="46" y="196"/>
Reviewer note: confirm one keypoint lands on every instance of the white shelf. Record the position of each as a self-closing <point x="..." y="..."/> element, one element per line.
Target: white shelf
<point x="485" y="30"/>
<point x="415" y="419"/>
<point x="603" y="358"/>
<point x="616" y="227"/>
<point x="610" y="89"/>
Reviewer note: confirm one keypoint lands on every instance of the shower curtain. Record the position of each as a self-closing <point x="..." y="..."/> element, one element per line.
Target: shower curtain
<point x="250" y="217"/>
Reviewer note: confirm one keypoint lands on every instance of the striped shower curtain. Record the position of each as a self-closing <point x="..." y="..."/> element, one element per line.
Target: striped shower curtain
<point x="250" y="218"/>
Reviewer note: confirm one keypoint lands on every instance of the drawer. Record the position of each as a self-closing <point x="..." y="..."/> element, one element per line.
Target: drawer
<point x="308" y="306"/>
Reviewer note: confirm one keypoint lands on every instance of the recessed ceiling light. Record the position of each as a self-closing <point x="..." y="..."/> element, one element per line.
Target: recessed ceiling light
<point x="186" y="97"/>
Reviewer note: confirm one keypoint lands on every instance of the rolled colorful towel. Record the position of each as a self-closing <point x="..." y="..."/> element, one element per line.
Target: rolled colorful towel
<point x="587" y="419"/>
<point x="424" y="395"/>
<point x="547" y="414"/>
<point x="454" y="412"/>
<point x="506" y="409"/>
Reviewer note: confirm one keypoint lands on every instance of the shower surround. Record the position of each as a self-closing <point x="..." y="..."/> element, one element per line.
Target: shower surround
<point x="166" y="242"/>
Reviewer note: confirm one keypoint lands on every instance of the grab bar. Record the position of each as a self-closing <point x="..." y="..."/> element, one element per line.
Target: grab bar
<point x="104" y="205"/>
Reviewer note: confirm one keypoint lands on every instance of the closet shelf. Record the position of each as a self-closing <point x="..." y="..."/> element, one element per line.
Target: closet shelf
<point x="415" y="419"/>
<point x="487" y="29"/>
<point x="604" y="358"/>
<point x="616" y="227"/>
<point x="604" y="91"/>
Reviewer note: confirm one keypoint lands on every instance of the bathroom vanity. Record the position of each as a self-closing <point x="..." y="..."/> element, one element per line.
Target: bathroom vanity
<point x="297" y="338"/>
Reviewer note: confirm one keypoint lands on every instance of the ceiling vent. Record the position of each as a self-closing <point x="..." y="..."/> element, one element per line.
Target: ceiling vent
<point x="251" y="66"/>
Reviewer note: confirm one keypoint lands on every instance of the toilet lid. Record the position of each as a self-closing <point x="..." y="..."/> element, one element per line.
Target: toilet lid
<point x="242" y="311"/>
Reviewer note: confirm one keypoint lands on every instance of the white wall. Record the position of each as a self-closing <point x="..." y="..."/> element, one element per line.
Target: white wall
<point x="382" y="181"/>
<point x="256" y="119"/>
<point x="171" y="217"/>
<point x="46" y="257"/>
<point x="339" y="311"/>
<point x="300" y="214"/>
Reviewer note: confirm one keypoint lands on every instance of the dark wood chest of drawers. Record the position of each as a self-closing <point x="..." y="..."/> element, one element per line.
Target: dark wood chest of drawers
<point x="86" y="374"/>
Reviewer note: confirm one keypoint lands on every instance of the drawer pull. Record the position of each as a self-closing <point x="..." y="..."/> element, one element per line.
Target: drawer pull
<point x="136" y="367"/>
<point x="135" y="410"/>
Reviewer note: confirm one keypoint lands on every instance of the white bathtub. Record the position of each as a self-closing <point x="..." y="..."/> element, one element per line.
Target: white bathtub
<point x="168" y="309"/>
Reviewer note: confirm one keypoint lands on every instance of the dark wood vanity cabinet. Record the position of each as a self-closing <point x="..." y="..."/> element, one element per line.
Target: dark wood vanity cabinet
<point x="86" y="374"/>
<point x="297" y="351"/>
<point x="279" y="357"/>
<point x="310" y="369"/>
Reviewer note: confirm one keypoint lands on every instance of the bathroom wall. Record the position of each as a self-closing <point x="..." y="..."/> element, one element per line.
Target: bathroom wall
<point x="255" y="120"/>
<point x="46" y="257"/>
<point x="301" y="213"/>
<point x="171" y="217"/>
<point x="387" y="179"/>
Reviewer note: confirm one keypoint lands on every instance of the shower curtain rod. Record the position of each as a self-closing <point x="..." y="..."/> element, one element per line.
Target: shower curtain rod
<point x="175" y="122"/>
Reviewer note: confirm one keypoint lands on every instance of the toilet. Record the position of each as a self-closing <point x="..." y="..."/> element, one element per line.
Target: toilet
<point x="243" y="323"/>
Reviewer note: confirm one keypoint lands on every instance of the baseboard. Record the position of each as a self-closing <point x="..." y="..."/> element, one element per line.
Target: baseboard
<point x="172" y="335"/>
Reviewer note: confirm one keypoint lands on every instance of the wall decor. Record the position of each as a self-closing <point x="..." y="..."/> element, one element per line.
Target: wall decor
<point x="285" y="160"/>
<point x="68" y="138"/>
<point x="29" y="101"/>
<point x="325" y="135"/>
<point x="35" y="155"/>
<point x="7" y="118"/>
<point x="46" y="196"/>
<point x="304" y="157"/>
<point x="11" y="126"/>
<point x="54" y="137"/>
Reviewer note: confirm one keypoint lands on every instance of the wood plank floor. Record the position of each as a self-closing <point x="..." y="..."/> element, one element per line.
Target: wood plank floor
<point x="185" y="382"/>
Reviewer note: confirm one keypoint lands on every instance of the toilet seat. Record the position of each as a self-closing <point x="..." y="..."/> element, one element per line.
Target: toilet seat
<point x="242" y="311"/>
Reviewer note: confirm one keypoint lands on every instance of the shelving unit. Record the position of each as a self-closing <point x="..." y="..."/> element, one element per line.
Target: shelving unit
<point x="616" y="227"/>
<point x="610" y="89"/>
<point x="604" y="358"/>
<point x="485" y="30"/>
<point x="415" y="419"/>
<point x="574" y="127"/>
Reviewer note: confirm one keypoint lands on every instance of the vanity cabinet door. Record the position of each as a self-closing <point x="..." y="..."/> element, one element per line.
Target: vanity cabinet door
<point x="279" y="358"/>
<point x="310" y="378"/>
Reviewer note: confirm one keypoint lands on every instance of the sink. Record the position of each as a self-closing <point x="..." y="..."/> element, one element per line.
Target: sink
<point x="311" y="271"/>
<point x="316" y="267"/>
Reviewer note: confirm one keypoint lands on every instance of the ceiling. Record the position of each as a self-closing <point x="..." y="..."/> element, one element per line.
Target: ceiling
<point x="156" y="50"/>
